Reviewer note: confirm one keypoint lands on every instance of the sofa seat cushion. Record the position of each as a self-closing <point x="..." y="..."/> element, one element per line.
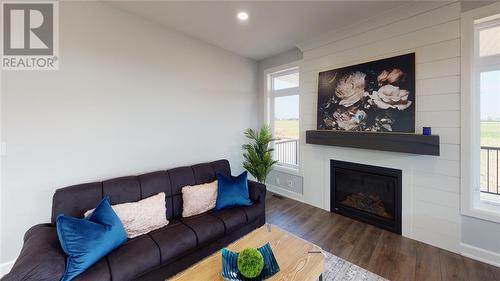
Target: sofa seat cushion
<point x="174" y="240"/>
<point x="232" y="218"/>
<point x="133" y="258"/>
<point x="206" y="227"/>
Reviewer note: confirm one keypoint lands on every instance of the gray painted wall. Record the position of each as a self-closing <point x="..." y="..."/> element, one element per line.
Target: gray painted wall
<point x="481" y="233"/>
<point x="286" y="181"/>
<point x="130" y="96"/>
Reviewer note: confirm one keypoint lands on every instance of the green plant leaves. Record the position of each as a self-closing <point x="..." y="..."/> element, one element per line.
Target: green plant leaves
<point x="258" y="156"/>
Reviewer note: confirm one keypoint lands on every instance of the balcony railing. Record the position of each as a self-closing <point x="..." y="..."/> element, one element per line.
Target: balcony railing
<point x="286" y="151"/>
<point x="490" y="170"/>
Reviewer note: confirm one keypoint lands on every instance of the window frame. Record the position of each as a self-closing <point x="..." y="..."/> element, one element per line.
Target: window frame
<point x="478" y="27"/>
<point x="471" y="67"/>
<point x="269" y="106"/>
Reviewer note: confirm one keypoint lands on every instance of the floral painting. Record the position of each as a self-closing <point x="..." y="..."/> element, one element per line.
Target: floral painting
<point x="377" y="96"/>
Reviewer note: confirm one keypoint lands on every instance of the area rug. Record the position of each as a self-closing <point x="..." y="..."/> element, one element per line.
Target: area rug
<point x="338" y="269"/>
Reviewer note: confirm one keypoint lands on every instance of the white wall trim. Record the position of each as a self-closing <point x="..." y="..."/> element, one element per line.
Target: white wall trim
<point x="469" y="185"/>
<point x="269" y="95"/>
<point x="5" y="268"/>
<point x="267" y="88"/>
<point x="479" y="254"/>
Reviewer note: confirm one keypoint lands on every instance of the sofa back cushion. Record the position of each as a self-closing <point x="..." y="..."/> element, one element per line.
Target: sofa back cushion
<point x="77" y="199"/>
<point x="180" y="177"/>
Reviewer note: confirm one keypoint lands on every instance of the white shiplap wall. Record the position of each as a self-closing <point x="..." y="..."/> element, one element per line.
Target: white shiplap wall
<point x="430" y="184"/>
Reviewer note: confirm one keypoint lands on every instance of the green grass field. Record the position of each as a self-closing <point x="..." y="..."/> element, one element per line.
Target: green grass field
<point x="490" y="133"/>
<point x="288" y="129"/>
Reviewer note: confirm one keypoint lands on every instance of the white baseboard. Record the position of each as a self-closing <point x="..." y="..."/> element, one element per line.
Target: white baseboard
<point x="286" y="193"/>
<point x="5" y="268"/>
<point x="479" y="254"/>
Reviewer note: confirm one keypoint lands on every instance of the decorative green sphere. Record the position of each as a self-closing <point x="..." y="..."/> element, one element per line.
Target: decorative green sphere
<point x="250" y="262"/>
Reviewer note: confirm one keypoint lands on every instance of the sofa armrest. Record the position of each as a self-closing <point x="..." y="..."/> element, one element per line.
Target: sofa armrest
<point x="41" y="257"/>
<point x="257" y="191"/>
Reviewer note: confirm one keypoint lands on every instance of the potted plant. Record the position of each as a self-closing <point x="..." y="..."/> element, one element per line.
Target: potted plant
<point x="258" y="155"/>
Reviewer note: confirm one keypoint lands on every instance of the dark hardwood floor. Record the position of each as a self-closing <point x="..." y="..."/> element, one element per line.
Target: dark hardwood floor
<point x="384" y="253"/>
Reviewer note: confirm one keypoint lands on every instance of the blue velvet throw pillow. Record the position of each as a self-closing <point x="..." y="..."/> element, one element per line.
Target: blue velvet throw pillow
<point x="85" y="241"/>
<point x="232" y="191"/>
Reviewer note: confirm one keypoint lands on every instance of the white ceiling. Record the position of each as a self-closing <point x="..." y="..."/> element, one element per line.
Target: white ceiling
<point x="273" y="26"/>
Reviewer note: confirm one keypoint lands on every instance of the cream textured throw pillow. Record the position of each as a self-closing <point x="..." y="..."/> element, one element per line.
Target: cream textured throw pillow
<point x="143" y="216"/>
<point x="198" y="199"/>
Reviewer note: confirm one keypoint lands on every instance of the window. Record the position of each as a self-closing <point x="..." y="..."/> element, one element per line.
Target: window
<point x="489" y="41"/>
<point x="487" y="80"/>
<point x="481" y="116"/>
<point x="284" y="116"/>
<point x="286" y="81"/>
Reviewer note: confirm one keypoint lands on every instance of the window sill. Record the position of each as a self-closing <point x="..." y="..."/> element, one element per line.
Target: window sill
<point x="294" y="170"/>
<point x="484" y="211"/>
<point x="490" y="200"/>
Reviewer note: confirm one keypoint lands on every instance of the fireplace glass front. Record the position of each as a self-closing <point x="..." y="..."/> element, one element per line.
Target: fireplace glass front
<point x="370" y="194"/>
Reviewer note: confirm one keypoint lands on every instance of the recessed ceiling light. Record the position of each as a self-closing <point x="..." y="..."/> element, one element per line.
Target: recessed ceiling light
<point x="242" y="16"/>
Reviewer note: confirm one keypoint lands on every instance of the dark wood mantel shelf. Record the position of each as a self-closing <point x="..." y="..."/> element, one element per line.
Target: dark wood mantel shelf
<point x="397" y="142"/>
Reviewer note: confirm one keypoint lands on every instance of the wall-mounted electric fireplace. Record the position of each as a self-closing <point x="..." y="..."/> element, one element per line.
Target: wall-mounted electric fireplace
<point x="370" y="194"/>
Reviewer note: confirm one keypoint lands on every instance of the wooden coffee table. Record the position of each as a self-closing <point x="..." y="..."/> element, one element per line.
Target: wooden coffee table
<point x="298" y="259"/>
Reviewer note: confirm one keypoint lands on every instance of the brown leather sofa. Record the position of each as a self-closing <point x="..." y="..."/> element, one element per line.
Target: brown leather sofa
<point x="153" y="256"/>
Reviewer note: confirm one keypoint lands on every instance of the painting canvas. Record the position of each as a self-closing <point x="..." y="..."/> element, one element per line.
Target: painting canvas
<point x="377" y="96"/>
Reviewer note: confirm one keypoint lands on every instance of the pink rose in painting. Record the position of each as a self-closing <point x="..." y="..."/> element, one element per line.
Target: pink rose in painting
<point x="390" y="96"/>
<point x="351" y="88"/>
